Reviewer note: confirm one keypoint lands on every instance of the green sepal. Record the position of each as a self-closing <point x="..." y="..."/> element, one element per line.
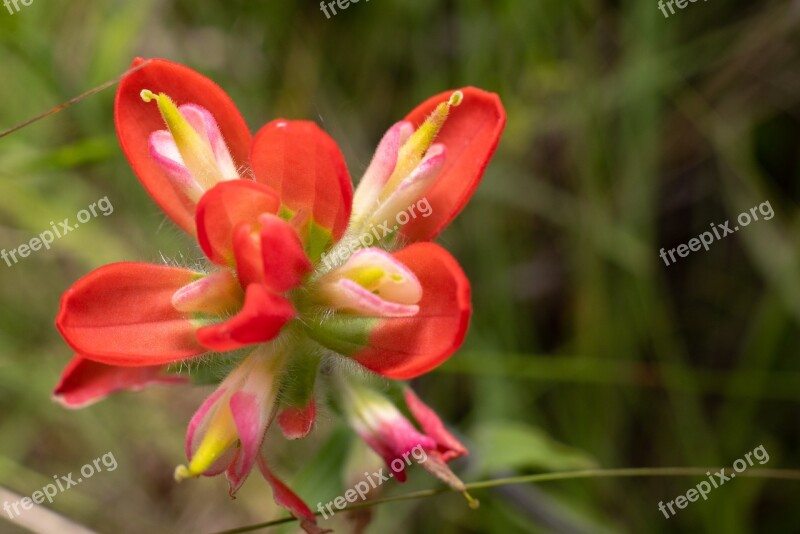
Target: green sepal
<point x="316" y="238"/>
<point x="297" y="388"/>
<point x="342" y="333"/>
<point x="210" y="369"/>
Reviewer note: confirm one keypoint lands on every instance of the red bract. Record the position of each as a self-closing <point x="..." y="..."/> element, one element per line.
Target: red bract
<point x="136" y="121"/>
<point x="84" y="382"/>
<point x="276" y="216"/>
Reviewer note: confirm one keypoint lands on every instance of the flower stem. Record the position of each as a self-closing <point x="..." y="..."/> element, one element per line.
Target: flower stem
<point x="631" y="472"/>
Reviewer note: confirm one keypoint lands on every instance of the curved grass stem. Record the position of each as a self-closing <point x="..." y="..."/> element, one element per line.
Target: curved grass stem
<point x="631" y="472"/>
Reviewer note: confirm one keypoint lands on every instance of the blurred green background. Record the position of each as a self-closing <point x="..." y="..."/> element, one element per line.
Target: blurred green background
<point x="627" y="132"/>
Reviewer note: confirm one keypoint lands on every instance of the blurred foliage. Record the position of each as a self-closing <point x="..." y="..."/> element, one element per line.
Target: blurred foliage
<point x="627" y="132"/>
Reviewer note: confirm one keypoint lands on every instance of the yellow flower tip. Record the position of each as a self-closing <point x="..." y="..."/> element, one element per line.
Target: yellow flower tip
<point x="196" y="152"/>
<point x="414" y="149"/>
<point x="425" y="135"/>
<point x="176" y="123"/>
<point x="474" y="504"/>
<point x="165" y="103"/>
<point x="182" y="473"/>
<point x="148" y="95"/>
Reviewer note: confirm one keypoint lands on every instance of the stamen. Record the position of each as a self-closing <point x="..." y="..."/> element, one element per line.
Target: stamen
<point x="195" y="151"/>
<point x="412" y="152"/>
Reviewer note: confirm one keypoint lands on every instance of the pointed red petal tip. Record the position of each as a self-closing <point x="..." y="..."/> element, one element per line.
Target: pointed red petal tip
<point x="291" y="501"/>
<point x="85" y="382"/>
<point x="446" y="444"/>
<point x="122" y="314"/>
<point x="406" y="347"/>
<point x="135" y="121"/>
<point x="470" y="135"/>
<point x="296" y="423"/>
<point x="305" y="167"/>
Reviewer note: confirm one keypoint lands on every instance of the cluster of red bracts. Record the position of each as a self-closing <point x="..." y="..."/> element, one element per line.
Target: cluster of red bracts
<point x="264" y="210"/>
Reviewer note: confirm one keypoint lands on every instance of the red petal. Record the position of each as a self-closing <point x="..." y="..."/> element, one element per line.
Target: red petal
<point x="223" y="207"/>
<point x="288" y="499"/>
<point x="285" y="263"/>
<point x="305" y="167"/>
<point x="393" y="440"/>
<point x="296" y="422"/>
<point x="85" y="382"/>
<point x="449" y="447"/>
<point x="470" y="134"/>
<point x="403" y="348"/>
<point x="136" y="119"/>
<point x="251" y="418"/>
<point x="247" y="251"/>
<point x="260" y="319"/>
<point x="122" y="314"/>
<point x="272" y="256"/>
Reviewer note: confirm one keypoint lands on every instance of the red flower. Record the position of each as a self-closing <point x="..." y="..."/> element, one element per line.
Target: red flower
<point x="276" y="218"/>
